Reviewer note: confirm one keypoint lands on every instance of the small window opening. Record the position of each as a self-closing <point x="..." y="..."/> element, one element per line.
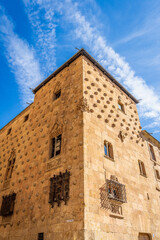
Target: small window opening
<point x="157" y="174"/>
<point x="40" y="236"/>
<point x="57" y="95"/>
<point x="9" y="131"/>
<point x="120" y="106"/>
<point x="152" y="152"/>
<point x="142" y="168"/>
<point x="26" y="117"/>
<point x="56" y="146"/>
<point x="108" y="149"/>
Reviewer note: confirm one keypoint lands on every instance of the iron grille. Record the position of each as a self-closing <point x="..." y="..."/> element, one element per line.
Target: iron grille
<point x="112" y="195"/>
<point x="8" y="205"/>
<point x="59" y="188"/>
<point x="40" y="236"/>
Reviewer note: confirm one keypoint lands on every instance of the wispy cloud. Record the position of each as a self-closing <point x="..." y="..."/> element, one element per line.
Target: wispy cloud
<point x="42" y="19"/>
<point x="21" y="58"/>
<point x="120" y="69"/>
<point x="82" y="29"/>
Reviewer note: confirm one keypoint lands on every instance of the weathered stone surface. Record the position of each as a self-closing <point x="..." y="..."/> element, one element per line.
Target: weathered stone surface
<point x="86" y="114"/>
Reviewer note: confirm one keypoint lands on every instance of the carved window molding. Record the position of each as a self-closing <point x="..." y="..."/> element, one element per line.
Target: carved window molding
<point x="113" y="195"/>
<point x="59" y="188"/>
<point x="10" y="166"/>
<point x="7" y="206"/>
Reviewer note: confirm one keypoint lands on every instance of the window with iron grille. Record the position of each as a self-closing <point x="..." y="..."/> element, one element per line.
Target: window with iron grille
<point x="10" y="166"/>
<point x="56" y="146"/>
<point x="108" y="149"/>
<point x="157" y="174"/>
<point x="152" y="152"/>
<point x="40" y="236"/>
<point x="112" y="195"/>
<point x="142" y="168"/>
<point x="7" y="206"/>
<point x="59" y="188"/>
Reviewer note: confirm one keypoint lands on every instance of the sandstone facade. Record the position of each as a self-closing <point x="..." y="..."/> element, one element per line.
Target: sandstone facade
<point x="92" y="111"/>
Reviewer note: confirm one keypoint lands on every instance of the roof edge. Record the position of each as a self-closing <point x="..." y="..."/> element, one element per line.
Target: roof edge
<point x="13" y="119"/>
<point x="83" y="52"/>
<point x="144" y="132"/>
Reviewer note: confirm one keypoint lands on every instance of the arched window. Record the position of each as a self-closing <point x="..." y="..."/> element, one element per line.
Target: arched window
<point x="108" y="149"/>
<point x="10" y="166"/>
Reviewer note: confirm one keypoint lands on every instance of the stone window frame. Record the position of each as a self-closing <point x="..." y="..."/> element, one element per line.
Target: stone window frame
<point x="152" y="152"/>
<point x="142" y="168"/>
<point x="54" y="143"/>
<point x="10" y="166"/>
<point x="108" y="150"/>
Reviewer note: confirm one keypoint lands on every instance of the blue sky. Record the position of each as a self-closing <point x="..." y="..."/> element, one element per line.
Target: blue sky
<point x="37" y="36"/>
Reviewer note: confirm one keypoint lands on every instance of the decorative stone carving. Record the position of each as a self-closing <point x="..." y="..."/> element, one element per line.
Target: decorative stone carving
<point x="83" y="105"/>
<point x="121" y="136"/>
<point x="56" y="128"/>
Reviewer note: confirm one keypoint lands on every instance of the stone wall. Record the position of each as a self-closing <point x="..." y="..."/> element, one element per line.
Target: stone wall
<point x="33" y="168"/>
<point x="122" y="129"/>
<point x="86" y="114"/>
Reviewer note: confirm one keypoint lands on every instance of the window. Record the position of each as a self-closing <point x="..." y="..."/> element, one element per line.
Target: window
<point x="8" y="205"/>
<point x="152" y="152"/>
<point x="116" y="191"/>
<point x="108" y="149"/>
<point x="10" y="166"/>
<point x="142" y="168"/>
<point x="144" y="236"/>
<point x="40" y="236"/>
<point x="112" y="195"/>
<point x="59" y="188"/>
<point x="157" y="174"/>
<point x="56" y="146"/>
<point x="9" y="131"/>
<point x="120" y="106"/>
<point x="57" y="95"/>
<point x="26" y="117"/>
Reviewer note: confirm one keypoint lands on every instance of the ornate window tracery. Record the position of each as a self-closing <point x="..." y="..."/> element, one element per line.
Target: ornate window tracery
<point x="10" y="166"/>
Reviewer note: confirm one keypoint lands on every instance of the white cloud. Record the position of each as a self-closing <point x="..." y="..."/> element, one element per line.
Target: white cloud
<point x="150" y="104"/>
<point x="21" y="58"/>
<point x="42" y="19"/>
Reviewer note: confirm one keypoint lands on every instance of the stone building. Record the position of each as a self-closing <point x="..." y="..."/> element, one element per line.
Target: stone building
<point x="75" y="165"/>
